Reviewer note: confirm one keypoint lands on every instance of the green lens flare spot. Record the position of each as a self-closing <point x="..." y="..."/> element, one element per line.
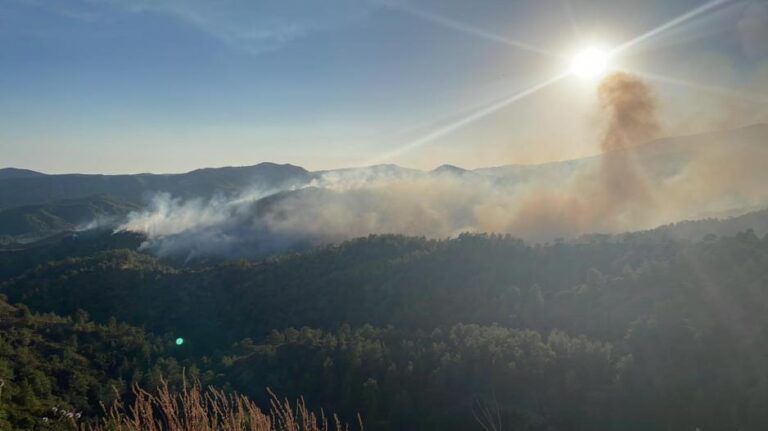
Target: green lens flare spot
<point x="179" y="341"/>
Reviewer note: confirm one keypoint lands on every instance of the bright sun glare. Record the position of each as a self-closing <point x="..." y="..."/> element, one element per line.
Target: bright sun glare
<point x="590" y="63"/>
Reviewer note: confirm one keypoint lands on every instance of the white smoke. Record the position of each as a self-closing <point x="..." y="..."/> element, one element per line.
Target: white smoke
<point x="540" y="203"/>
<point x="633" y="185"/>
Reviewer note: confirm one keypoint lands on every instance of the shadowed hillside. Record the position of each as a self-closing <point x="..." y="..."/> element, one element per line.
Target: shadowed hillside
<point x="63" y="215"/>
<point x="19" y="190"/>
<point x="628" y="332"/>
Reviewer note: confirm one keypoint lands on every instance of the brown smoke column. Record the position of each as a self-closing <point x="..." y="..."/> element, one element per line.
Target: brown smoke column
<point x="614" y="195"/>
<point x="631" y="110"/>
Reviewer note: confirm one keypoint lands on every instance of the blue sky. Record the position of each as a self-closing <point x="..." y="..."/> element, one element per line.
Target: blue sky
<point x="111" y="86"/>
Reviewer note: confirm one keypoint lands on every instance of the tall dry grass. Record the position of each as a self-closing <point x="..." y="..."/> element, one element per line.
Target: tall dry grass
<point x="196" y="409"/>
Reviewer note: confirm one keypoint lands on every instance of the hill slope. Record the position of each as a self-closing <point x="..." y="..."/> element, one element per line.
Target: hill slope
<point x="68" y="214"/>
<point x="51" y="366"/>
<point x="663" y="329"/>
<point x="631" y="332"/>
<point x="202" y="183"/>
<point x="7" y="173"/>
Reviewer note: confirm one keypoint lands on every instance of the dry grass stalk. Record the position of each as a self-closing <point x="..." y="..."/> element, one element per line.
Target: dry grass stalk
<point x="195" y="409"/>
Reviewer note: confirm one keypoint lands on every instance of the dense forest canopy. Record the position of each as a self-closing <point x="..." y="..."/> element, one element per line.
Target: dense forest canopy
<point x="636" y="331"/>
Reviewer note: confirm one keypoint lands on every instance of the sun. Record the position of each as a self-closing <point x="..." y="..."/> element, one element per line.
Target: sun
<point x="590" y="63"/>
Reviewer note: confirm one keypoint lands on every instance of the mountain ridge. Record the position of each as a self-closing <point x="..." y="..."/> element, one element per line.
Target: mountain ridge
<point x="657" y="142"/>
<point x="11" y="172"/>
<point x="24" y="193"/>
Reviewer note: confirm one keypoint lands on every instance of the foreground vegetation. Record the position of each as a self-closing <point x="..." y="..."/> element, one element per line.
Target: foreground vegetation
<point x="634" y="332"/>
<point x="195" y="409"/>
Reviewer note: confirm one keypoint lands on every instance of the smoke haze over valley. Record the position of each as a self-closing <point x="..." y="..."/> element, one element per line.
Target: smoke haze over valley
<point x="639" y="182"/>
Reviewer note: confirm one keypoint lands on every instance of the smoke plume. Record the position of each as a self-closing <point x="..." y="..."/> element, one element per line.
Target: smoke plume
<point x="635" y="183"/>
<point x="612" y="194"/>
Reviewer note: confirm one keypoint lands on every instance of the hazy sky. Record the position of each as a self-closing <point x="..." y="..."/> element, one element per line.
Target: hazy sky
<point x="108" y="86"/>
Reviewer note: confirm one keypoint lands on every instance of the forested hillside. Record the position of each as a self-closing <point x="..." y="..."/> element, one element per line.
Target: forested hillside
<point x="51" y="364"/>
<point x="66" y="215"/>
<point x="638" y="331"/>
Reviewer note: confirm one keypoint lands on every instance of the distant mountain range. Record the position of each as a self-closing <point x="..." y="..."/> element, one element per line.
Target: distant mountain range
<point x="37" y="204"/>
<point x="20" y="187"/>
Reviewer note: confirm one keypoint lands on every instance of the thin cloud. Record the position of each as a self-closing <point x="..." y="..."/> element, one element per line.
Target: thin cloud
<point x="248" y="26"/>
